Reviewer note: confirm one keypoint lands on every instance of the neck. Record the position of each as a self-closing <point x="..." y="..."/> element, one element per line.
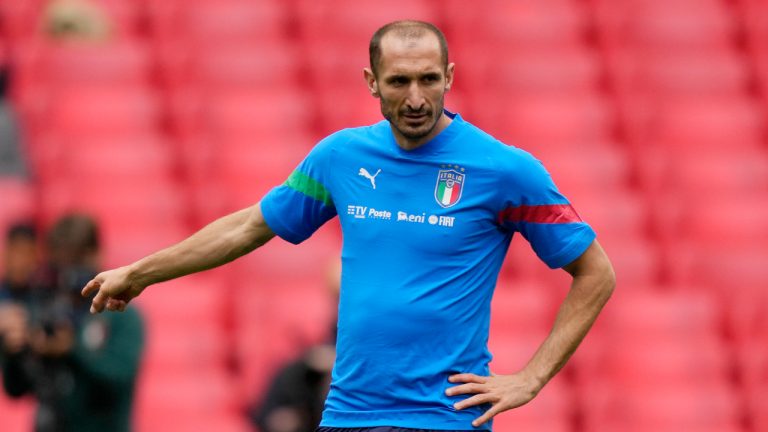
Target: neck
<point x="410" y="144"/>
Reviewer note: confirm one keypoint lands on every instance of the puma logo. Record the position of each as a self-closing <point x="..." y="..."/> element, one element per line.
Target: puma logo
<point x="364" y="172"/>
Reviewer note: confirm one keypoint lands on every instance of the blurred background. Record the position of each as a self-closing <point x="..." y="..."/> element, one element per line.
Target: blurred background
<point x="157" y="116"/>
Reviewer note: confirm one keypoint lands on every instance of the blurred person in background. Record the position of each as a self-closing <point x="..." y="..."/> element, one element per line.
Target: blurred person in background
<point x="12" y="161"/>
<point x="428" y="205"/>
<point x="21" y="256"/>
<point x="76" y="20"/>
<point x="295" y="398"/>
<point x="80" y="368"/>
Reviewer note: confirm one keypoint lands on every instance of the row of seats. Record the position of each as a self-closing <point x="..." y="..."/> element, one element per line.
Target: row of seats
<point x="194" y="101"/>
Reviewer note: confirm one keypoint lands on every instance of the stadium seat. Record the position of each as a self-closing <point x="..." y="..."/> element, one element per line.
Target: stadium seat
<point x="703" y="408"/>
<point x="687" y="316"/>
<point x="527" y="121"/>
<point x="635" y="259"/>
<point x="166" y="399"/>
<point x="668" y="26"/>
<point x="343" y="107"/>
<point x="16" y="414"/>
<point x="256" y="111"/>
<point x="560" y="72"/>
<point x="702" y="122"/>
<point x="118" y="63"/>
<point x="18" y="201"/>
<point x="711" y="74"/>
<point x="120" y="110"/>
<point x="336" y="20"/>
<point x="589" y="167"/>
<point x="690" y="172"/>
<point x="222" y="23"/>
<point x="543" y="24"/>
<point x="520" y="310"/>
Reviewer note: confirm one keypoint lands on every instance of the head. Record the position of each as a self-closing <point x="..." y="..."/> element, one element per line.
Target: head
<point x="410" y="75"/>
<point x="73" y="241"/>
<point x="21" y="254"/>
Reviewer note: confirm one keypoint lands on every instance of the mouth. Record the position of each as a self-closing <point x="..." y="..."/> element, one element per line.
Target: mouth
<point x="415" y="117"/>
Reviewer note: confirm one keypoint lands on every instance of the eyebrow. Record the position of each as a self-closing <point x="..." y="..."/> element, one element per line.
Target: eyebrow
<point x="399" y="76"/>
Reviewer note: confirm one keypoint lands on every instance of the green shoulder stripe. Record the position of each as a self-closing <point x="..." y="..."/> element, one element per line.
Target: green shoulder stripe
<point x="301" y="182"/>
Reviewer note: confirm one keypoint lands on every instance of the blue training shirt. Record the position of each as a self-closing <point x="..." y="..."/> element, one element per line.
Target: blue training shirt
<point x="425" y="233"/>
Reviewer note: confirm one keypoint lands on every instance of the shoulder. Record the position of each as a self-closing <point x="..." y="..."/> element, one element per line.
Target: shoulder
<point x="506" y="157"/>
<point x="354" y="136"/>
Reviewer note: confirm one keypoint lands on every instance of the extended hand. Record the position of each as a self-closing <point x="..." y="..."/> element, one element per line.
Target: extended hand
<point x="113" y="288"/>
<point x="503" y="392"/>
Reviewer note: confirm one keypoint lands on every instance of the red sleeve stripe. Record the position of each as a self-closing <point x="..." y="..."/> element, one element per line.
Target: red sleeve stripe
<point x="544" y="214"/>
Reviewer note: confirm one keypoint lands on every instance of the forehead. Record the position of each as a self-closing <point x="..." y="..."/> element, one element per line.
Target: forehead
<point x="408" y="55"/>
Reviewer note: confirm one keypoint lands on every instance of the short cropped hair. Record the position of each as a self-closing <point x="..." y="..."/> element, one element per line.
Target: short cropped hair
<point x="21" y="231"/>
<point x="74" y="235"/>
<point x="405" y="29"/>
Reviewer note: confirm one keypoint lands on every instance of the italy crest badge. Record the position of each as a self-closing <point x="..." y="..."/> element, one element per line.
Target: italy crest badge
<point x="450" y="183"/>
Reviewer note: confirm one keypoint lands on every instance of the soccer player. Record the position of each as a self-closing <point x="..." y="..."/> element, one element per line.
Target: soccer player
<point x="428" y="205"/>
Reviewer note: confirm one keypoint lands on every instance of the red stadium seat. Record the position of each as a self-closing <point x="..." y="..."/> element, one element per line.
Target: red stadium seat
<point x="336" y="20"/>
<point x="120" y="63"/>
<point x="166" y="400"/>
<point x="687" y="316"/>
<point x="216" y="22"/>
<point x="343" y="107"/>
<point x="702" y="408"/>
<point x="592" y="167"/>
<point x="515" y="24"/>
<point x="528" y="121"/>
<point x="685" y="172"/>
<point x="18" y="201"/>
<point x="668" y="26"/>
<point x="16" y="414"/>
<point x="120" y="110"/>
<point x="521" y="310"/>
<point x="636" y="260"/>
<point x="531" y="71"/>
<point x="713" y="73"/>
<point x="259" y="111"/>
<point x="700" y="123"/>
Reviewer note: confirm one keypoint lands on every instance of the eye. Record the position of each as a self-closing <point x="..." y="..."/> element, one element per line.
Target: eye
<point x="430" y="78"/>
<point x="399" y="81"/>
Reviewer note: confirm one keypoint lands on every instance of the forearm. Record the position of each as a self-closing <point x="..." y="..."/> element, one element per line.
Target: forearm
<point x="585" y="300"/>
<point x="218" y="243"/>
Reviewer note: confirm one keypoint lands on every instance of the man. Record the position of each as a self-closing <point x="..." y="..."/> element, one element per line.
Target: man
<point x="428" y="205"/>
<point x="80" y="368"/>
<point x="21" y="262"/>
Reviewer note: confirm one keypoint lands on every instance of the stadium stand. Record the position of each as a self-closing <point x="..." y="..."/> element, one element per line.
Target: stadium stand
<point x="650" y="114"/>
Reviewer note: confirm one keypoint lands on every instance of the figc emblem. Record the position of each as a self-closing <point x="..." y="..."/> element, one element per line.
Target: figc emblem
<point x="450" y="183"/>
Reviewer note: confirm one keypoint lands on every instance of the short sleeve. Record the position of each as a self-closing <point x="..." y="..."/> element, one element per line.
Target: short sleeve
<point x="301" y="205"/>
<point x="534" y="207"/>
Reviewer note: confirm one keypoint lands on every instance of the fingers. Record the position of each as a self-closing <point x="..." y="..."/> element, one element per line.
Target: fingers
<point x="116" y="305"/>
<point x="492" y="411"/>
<point x="465" y="389"/>
<point x="474" y="400"/>
<point x="93" y="285"/>
<point x="467" y="378"/>
<point x="99" y="302"/>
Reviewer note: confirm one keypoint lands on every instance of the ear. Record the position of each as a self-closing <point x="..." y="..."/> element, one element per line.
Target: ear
<point x="370" y="80"/>
<point x="449" y="75"/>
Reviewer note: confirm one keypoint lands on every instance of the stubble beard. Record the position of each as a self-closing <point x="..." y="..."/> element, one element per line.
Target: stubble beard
<point x="420" y="133"/>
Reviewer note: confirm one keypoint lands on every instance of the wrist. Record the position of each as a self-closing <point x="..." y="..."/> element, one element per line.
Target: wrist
<point x="135" y="275"/>
<point x="535" y="379"/>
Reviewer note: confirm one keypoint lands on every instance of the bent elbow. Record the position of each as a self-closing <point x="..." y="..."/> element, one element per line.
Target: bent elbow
<point x="609" y="282"/>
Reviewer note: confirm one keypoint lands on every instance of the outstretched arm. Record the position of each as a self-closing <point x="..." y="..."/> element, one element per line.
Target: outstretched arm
<point x="220" y="242"/>
<point x="593" y="283"/>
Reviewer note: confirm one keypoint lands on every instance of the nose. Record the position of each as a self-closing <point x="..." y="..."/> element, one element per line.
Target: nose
<point x="414" y="101"/>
